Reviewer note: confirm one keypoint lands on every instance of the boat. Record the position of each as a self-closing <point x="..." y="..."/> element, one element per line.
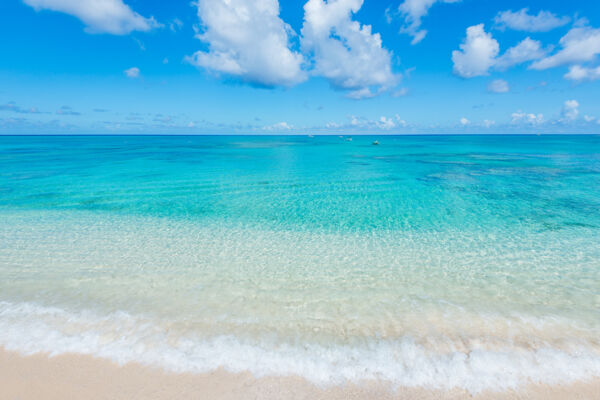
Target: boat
<point x="376" y="143"/>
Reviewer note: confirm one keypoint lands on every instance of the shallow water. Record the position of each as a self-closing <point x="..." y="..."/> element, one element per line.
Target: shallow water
<point x="439" y="261"/>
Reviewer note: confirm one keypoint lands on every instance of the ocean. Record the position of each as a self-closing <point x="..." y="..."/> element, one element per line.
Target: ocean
<point x="442" y="261"/>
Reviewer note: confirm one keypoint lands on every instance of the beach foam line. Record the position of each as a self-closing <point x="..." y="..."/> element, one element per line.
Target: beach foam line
<point x="28" y="328"/>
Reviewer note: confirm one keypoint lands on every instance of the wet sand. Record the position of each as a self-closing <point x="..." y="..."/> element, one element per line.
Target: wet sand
<point x="82" y="377"/>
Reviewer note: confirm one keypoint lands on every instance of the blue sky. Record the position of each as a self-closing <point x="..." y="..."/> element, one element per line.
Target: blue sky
<point x="291" y="66"/>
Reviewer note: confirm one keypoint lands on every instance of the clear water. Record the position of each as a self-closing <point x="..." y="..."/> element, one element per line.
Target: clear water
<point x="437" y="261"/>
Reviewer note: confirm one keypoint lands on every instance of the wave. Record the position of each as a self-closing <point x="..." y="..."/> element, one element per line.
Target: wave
<point x="29" y="328"/>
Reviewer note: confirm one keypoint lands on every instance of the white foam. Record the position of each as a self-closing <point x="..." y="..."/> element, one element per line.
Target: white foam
<point x="121" y="337"/>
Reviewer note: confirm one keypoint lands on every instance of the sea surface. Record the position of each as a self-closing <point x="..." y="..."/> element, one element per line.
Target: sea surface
<point x="434" y="261"/>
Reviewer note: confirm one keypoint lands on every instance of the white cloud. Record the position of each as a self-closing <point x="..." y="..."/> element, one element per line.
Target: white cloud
<point x="520" y="117"/>
<point x="478" y="53"/>
<point x="498" y="86"/>
<point x="280" y="126"/>
<point x="247" y="39"/>
<point x="366" y="124"/>
<point x="345" y="52"/>
<point x="526" y="50"/>
<point x="400" y="121"/>
<point x="579" y="73"/>
<point x="133" y="72"/>
<point x="488" y="123"/>
<point x="464" y="121"/>
<point x="400" y="92"/>
<point x="357" y="121"/>
<point x="413" y="12"/>
<point x="570" y="110"/>
<point x="386" y="123"/>
<point x="358" y="94"/>
<point x="580" y="44"/>
<point x="521" y="20"/>
<point x="589" y="118"/>
<point x="106" y="16"/>
<point x="175" y="25"/>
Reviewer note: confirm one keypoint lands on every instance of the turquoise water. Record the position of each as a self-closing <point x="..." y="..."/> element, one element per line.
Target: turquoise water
<point x="437" y="261"/>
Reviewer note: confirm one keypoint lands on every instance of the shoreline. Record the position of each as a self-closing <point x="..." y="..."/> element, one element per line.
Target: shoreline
<point x="78" y="376"/>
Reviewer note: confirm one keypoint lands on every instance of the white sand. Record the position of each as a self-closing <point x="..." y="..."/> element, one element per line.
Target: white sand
<point x="81" y="377"/>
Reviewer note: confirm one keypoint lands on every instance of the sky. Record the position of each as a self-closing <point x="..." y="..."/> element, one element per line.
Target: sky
<point x="299" y="66"/>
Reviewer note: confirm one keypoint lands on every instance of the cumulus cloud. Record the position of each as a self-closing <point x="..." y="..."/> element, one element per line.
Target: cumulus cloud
<point x="133" y="72"/>
<point x="413" y="12"/>
<point x="579" y="73"/>
<point x="498" y="86"/>
<point x="477" y="53"/>
<point x="526" y="50"/>
<point x="464" y="121"/>
<point x="521" y="20"/>
<point x="106" y="16"/>
<point x="580" y="44"/>
<point x="520" y="117"/>
<point x="247" y="39"/>
<point x="488" y="123"/>
<point x="386" y="123"/>
<point x="570" y="110"/>
<point x="589" y="118"/>
<point x="349" y="55"/>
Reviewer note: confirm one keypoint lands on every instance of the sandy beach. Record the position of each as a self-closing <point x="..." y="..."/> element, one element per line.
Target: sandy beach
<point x="82" y="377"/>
